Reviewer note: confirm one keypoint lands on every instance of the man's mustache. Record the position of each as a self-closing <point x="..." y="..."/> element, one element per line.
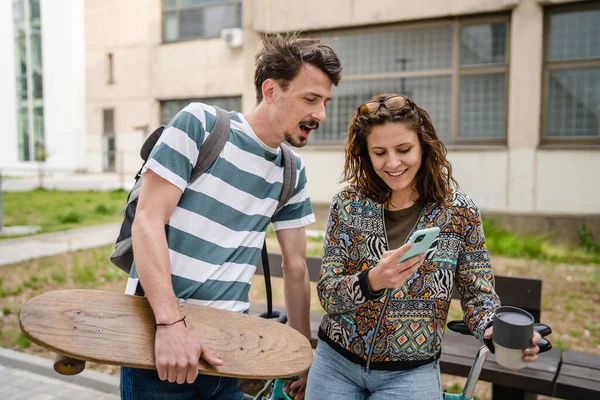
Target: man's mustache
<point x="311" y="124"/>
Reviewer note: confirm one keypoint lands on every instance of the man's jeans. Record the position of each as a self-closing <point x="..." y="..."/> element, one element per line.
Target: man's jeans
<point x="333" y="377"/>
<point x="144" y="384"/>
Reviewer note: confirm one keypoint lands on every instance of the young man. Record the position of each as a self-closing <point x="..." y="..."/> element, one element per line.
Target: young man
<point x="216" y="225"/>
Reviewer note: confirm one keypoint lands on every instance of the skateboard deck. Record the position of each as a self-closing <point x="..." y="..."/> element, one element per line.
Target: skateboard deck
<point x="118" y="329"/>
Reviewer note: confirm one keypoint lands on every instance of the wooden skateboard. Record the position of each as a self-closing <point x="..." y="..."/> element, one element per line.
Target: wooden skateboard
<point x="118" y="329"/>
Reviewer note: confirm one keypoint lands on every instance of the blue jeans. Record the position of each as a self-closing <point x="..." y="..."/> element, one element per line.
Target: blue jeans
<point x="144" y="384"/>
<point x="333" y="377"/>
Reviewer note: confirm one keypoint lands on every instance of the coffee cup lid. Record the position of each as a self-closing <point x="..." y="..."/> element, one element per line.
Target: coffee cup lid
<point x="513" y="327"/>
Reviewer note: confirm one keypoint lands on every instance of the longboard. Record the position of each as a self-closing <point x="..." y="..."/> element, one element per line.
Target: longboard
<point x="118" y="329"/>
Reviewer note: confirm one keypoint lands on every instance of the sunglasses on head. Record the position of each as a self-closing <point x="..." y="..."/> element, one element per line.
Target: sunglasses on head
<point x="395" y="102"/>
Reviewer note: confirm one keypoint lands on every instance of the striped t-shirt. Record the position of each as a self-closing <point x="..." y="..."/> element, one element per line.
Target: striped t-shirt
<point x="216" y="233"/>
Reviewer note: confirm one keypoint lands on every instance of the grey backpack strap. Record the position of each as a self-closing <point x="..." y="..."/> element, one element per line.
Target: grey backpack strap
<point x="289" y="175"/>
<point x="213" y="145"/>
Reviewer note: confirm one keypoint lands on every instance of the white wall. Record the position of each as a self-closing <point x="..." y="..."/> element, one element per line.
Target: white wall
<point x="63" y="56"/>
<point x="8" y="99"/>
<point x="567" y="182"/>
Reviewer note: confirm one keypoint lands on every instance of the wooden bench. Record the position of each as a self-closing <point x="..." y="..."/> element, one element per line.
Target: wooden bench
<point x="579" y="376"/>
<point x="567" y="375"/>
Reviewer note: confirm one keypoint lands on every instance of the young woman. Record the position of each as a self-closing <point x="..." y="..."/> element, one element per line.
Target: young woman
<point x="381" y="337"/>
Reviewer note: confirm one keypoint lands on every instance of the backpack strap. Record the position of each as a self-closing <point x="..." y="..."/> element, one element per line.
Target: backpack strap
<point x="150" y="142"/>
<point x="289" y="175"/>
<point x="289" y="183"/>
<point x="213" y="145"/>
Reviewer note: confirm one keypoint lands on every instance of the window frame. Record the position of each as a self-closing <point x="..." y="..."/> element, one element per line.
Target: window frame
<point x="491" y="69"/>
<point x="569" y="65"/>
<point x="177" y="9"/>
<point x="455" y="72"/>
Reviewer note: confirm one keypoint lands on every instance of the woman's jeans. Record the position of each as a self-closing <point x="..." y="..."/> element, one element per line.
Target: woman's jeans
<point x="333" y="377"/>
<point x="144" y="384"/>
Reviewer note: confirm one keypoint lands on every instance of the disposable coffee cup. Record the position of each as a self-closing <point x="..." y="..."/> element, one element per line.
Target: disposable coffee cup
<point x="513" y="330"/>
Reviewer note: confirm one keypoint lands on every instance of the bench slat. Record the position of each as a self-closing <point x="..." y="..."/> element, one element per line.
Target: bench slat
<point x="583" y="359"/>
<point x="579" y="376"/>
<point x="577" y="383"/>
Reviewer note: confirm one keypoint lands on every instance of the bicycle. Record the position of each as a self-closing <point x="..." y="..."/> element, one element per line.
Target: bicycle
<point x="273" y="389"/>
<point x="482" y="353"/>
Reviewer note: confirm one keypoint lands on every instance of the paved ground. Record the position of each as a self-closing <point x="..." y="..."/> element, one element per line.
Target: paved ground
<point x="26" y="377"/>
<point x="48" y="244"/>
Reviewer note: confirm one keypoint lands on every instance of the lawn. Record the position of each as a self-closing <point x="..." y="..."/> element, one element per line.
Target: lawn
<point x="55" y="210"/>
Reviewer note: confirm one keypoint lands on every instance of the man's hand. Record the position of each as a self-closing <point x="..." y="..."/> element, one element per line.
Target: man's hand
<point x="177" y="354"/>
<point x="529" y="354"/>
<point x="295" y="389"/>
<point x="389" y="274"/>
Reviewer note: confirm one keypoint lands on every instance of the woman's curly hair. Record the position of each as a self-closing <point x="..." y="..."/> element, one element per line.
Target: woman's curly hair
<point x="434" y="178"/>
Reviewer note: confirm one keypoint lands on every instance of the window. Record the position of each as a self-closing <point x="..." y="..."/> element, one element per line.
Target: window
<point x="571" y="109"/>
<point x="169" y="108"/>
<point x="111" y="69"/>
<point x="456" y="70"/>
<point x="192" y="19"/>
<point x="109" y="147"/>
<point x="30" y="95"/>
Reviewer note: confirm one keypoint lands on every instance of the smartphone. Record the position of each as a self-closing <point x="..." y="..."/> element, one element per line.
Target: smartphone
<point x="421" y="242"/>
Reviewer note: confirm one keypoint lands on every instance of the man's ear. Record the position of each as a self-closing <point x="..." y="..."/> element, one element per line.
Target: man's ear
<point x="269" y="88"/>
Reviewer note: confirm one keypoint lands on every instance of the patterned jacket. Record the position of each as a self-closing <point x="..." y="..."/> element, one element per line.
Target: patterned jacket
<point x="411" y="319"/>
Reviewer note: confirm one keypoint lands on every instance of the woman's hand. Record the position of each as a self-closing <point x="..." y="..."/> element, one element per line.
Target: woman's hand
<point x="529" y="354"/>
<point x="389" y="274"/>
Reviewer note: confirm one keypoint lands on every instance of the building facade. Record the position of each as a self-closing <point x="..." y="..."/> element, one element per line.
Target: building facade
<point x="42" y="81"/>
<point x="513" y="86"/>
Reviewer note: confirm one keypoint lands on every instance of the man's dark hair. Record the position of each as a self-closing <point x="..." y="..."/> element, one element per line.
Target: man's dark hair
<point x="282" y="56"/>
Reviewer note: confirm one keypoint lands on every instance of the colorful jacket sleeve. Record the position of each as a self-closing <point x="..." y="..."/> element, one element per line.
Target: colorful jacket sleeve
<point x="340" y="291"/>
<point x="474" y="275"/>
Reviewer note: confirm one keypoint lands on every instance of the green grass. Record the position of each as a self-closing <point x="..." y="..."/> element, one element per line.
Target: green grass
<point x="55" y="210"/>
<point x="20" y="342"/>
<point x="504" y="243"/>
<point x="58" y="277"/>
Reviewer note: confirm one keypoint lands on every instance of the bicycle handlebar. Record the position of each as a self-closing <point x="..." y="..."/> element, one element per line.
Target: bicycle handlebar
<point x="542" y="329"/>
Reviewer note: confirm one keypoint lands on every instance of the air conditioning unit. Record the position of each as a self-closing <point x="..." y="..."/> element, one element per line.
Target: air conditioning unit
<point x="233" y="37"/>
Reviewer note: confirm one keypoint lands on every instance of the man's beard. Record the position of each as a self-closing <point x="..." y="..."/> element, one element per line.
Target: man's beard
<point x="301" y="142"/>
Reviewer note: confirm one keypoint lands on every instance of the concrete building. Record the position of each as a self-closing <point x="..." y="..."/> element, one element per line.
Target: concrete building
<point x="42" y="81"/>
<point x="513" y="86"/>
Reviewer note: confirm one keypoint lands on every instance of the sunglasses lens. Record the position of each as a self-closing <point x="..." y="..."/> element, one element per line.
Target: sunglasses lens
<point x="369" y="107"/>
<point x="395" y="103"/>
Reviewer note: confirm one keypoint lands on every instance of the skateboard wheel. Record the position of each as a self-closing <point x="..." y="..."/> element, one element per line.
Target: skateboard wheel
<point x="68" y="366"/>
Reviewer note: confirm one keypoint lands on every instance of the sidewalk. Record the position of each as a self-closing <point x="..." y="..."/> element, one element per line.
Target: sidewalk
<point x="26" y="377"/>
<point x="48" y="244"/>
